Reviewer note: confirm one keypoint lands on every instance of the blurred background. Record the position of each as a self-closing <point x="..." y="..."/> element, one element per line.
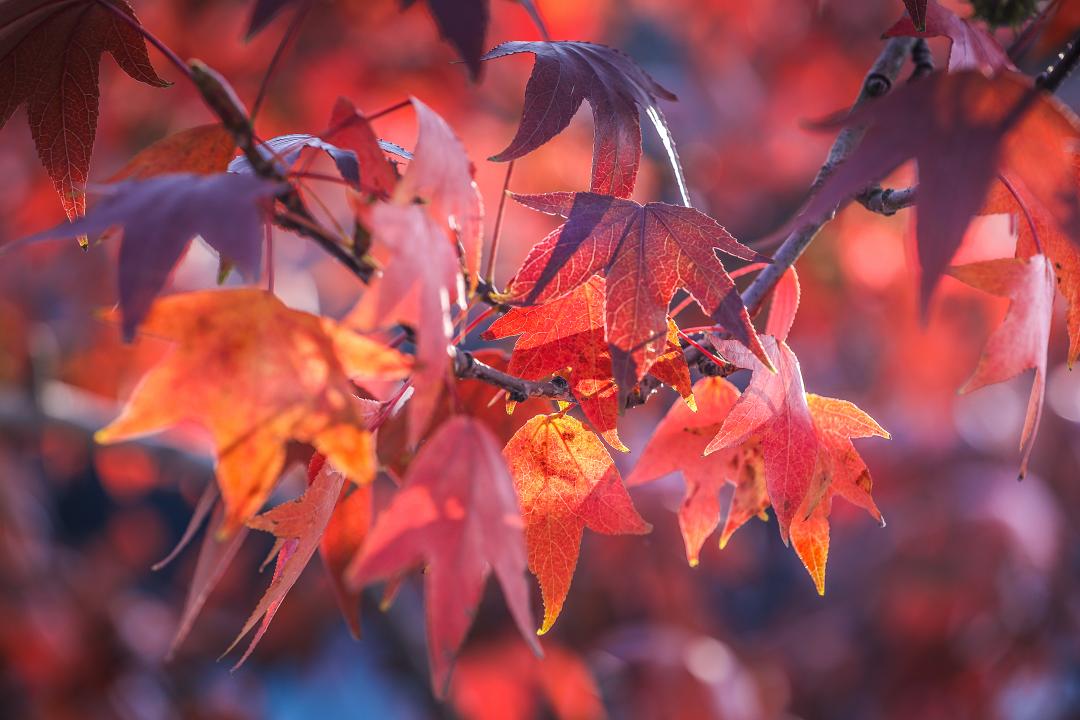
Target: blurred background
<point x="966" y="605"/>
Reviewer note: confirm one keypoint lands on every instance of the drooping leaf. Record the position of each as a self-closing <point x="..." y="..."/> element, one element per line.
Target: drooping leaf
<point x="160" y="216"/>
<point x="569" y="333"/>
<point x="678" y="445"/>
<point x="49" y="58"/>
<point x="962" y="129"/>
<point x="298" y="526"/>
<point x="463" y="24"/>
<point x="206" y="504"/>
<point x="646" y="252"/>
<point x="1037" y="233"/>
<point x="263" y="12"/>
<point x="201" y="150"/>
<point x="1020" y="342"/>
<point x="441" y="174"/>
<point x="215" y="556"/>
<point x="971" y="47"/>
<point x="257" y="374"/>
<point x="457" y="513"/>
<point x="773" y="408"/>
<point x="342" y="539"/>
<point x="566" y="482"/>
<point x="565" y="74"/>
<point x="840" y="472"/>
<point x="416" y="288"/>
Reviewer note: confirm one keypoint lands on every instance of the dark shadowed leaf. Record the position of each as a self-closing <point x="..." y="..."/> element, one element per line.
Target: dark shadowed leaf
<point x="962" y="129"/>
<point x="160" y="216"/>
<point x="49" y="57"/>
<point x="565" y="74"/>
<point x="463" y="24"/>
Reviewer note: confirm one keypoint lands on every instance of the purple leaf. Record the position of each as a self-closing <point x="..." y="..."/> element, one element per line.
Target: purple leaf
<point x="263" y="12"/>
<point x="463" y="24"/>
<point x="565" y="74"/>
<point x="961" y="129"/>
<point x="287" y="149"/>
<point x="160" y="216"/>
<point x="970" y="47"/>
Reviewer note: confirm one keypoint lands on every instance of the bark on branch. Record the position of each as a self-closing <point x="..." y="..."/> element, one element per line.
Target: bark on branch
<point x="878" y="82"/>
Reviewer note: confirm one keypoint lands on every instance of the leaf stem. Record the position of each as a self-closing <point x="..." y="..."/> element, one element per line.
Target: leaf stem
<point x="387" y="110"/>
<point x="287" y="39"/>
<point x="1024" y="209"/>
<point x="489" y="273"/>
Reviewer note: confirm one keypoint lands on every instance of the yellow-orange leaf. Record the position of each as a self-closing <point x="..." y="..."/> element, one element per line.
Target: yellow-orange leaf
<point x="566" y="481"/>
<point x="202" y="150"/>
<point x="257" y="374"/>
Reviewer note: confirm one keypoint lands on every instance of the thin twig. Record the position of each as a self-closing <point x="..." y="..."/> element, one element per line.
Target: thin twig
<point x="1053" y="77"/>
<point x="467" y="366"/>
<point x="295" y="216"/>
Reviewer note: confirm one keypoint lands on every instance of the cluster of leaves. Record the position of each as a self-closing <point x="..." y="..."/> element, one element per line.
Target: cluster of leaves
<point x="481" y="490"/>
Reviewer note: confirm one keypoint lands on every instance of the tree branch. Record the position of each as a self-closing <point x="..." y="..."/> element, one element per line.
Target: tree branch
<point x="878" y="82"/>
<point x="295" y="217"/>
<point x="466" y="366"/>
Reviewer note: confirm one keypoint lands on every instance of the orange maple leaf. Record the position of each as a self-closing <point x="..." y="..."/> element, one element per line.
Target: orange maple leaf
<point x="201" y="150"/>
<point x="839" y="471"/>
<point x="566" y="482"/>
<point x="257" y="374"/>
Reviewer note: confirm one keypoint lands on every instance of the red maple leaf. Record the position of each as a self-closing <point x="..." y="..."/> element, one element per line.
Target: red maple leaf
<point x="416" y="288"/>
<point x="49" y="57"/>
<point x="457" y="513"/>
<point x="646" y="252"/>
<point x="678" y="445"/>
<point x="441" y="175"/>
<point x="773" y="408"/>
<point x="565" y="74"/>
<point x="1020" y="342"/>
<point x="569" y="333"/>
